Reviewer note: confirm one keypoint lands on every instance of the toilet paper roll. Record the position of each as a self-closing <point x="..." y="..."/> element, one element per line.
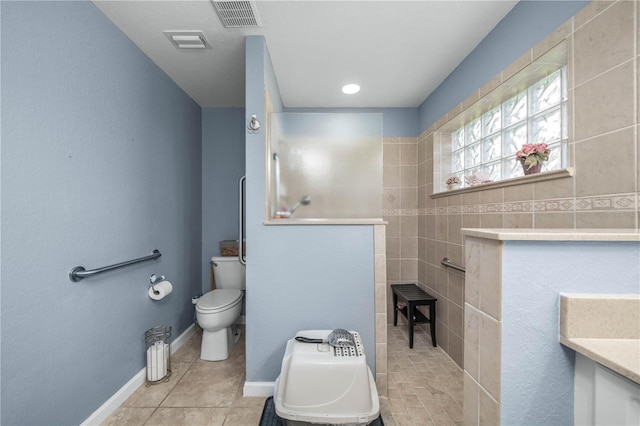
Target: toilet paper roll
<point x="162" y="289"/>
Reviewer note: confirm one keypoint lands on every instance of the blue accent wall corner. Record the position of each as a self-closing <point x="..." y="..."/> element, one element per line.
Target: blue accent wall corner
<point x="100" y="164"/>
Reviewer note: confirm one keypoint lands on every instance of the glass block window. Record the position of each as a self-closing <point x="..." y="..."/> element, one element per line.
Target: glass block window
<point x="486" y="146"/>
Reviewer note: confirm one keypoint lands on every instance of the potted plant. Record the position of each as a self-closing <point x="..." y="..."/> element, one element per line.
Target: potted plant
<point x="531" y="156"/>
<point x="453" y="183"/>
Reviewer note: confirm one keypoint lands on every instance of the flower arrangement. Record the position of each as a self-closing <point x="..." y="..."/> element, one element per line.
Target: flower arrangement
<point x="453" y="180"/>
<point x="477" y="178"/>
<point x="532" y="154"/>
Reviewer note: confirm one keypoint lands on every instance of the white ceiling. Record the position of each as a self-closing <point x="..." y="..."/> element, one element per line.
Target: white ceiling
<point x="398" y="51"/>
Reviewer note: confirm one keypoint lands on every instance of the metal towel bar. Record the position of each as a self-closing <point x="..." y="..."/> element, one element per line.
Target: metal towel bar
<point x="446" y="262"/>
<point x="78" y="273"/>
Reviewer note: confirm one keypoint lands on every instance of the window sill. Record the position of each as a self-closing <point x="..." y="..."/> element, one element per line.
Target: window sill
<point x="521" y="180"/>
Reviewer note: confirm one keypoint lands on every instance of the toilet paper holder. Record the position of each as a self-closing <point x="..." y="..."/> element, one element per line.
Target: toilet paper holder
<point x="153" y="280"/>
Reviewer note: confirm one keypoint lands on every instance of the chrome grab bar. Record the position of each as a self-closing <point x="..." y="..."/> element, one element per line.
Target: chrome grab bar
<point x="241" y="186"/>
<point x="276" y="158"/>
<point x="78" y="273"/>
<point x="446" y="262"/>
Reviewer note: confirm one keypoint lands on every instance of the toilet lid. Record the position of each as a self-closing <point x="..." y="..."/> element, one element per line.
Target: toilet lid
<point x="219" y="299"/>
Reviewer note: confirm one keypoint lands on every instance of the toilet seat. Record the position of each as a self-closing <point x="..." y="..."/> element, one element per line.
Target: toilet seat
<point x="218" y="300"/>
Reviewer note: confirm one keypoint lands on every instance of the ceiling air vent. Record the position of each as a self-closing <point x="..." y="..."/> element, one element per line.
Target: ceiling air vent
<point x="188" y="39"/>
<point x="237" y="14"/>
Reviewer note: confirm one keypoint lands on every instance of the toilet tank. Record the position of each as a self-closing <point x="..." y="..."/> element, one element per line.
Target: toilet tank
<point x="228" y="272"/>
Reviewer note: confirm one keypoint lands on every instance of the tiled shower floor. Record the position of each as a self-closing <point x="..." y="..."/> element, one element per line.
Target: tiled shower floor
<point x="425" y="388"/>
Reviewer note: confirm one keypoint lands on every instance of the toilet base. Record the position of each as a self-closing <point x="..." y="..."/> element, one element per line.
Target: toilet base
<point x="217" y="345"/>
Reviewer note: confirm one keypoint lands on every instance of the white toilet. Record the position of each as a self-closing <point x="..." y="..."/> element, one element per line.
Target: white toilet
<point x="218" y="310"/>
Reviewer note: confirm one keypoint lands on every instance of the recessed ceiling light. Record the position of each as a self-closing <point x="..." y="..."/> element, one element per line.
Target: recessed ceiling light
<point x="350" y="89"/>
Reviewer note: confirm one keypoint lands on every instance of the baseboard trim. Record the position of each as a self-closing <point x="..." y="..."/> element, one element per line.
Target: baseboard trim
<point x="116" y="400"/>
<point x="182" y="339"/>
<point x="259" y="389"/>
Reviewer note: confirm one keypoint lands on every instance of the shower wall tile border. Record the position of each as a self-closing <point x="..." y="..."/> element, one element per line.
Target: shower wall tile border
<point x="617" y="202"/>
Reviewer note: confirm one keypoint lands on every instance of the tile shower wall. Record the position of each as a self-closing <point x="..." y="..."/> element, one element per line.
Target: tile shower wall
<point x="406" y="174"/>
<point x="400" y="210"/>
<point x="380" y="283"/>
<point x="604" y="62"/>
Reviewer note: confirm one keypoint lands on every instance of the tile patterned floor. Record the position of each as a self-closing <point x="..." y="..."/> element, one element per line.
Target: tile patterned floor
<point x="424" y="384"/>
<point x="425" y="388"/>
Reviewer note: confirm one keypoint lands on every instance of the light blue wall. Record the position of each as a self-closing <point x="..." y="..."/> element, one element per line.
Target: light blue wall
<point x="0" y="210"/>
<point x="537" y="371"/>
<point x="222" y="167"/>
<point x="100" y="164"/>
<point x="396" y="122"/>
<point x="529" y="22"/>
<point x="298" y="277"/>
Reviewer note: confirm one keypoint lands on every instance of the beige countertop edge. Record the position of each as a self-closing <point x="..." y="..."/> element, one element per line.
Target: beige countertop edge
<point x="278" y="222"/>
<point x="619" y="355"/>
<point x="553" y="234"/>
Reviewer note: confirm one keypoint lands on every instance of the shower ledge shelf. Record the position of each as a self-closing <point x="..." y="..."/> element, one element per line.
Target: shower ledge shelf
<point x="365" y="221"/>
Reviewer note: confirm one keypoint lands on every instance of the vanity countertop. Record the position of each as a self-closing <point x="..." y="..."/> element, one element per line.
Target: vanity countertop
<point x="605" y="328"/>
<point x="619" y="355"/>
<point x="506" y="234"/>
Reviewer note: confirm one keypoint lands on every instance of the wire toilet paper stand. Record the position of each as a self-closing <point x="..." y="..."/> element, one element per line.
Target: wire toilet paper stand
<point x="158" y="354"/>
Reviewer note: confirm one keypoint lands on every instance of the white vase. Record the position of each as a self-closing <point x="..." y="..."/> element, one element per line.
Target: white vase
<point x="452" y="186"/>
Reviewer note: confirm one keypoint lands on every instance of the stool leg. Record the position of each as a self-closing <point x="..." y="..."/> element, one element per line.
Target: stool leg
<point x="410" y="309"/>
<point x="432" y="322"/>
<point x="395" y="309"/>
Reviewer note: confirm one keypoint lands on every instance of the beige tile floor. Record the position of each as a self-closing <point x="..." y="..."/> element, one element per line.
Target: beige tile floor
<point x="424" y="384"/>
<point x="425" y="388"/>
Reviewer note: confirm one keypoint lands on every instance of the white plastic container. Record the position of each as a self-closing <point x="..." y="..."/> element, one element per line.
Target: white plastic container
<point x="320" y="384"/>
